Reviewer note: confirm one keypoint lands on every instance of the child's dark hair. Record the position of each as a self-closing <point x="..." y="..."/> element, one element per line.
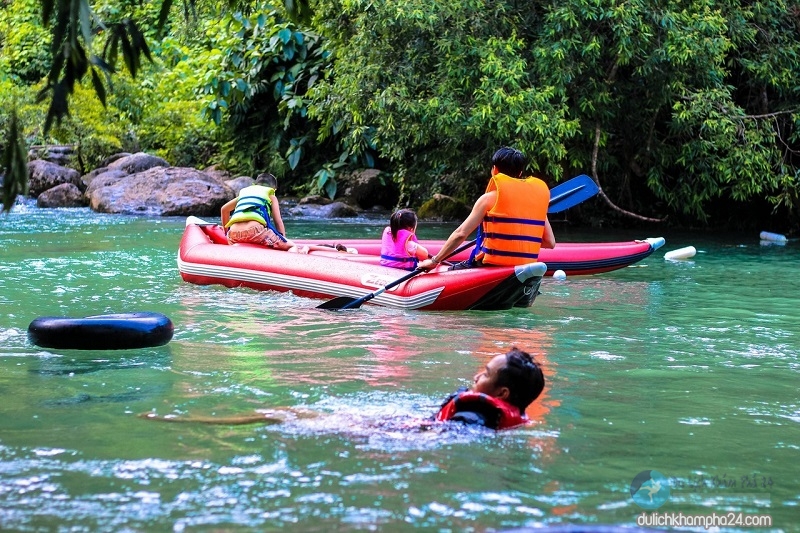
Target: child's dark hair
<point x="522" y="376"/>
<point x="402" y="219"/>
<point x="267" y="179"/>
<point x="509" y="161"/>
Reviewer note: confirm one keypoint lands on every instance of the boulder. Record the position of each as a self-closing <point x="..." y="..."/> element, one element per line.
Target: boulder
<point x="43" y="175"/>
<point x="59" y="154"/>
<point x="237" y="184"/>
<point x="163" y="191"/>
<point x="64" y="195"/>
<point x="104" y="179"/>
<point x="87" y="178"/>
<point x="219" y="174"/>
<point x="110" y="159"/>
<point x="138" y="162"/>
<point x="368" y="188"/>
<point x="332" y="210"/>
<point x="315" y="199"/>
<point x="338" y="210"/>
<point x="445" y="208"/>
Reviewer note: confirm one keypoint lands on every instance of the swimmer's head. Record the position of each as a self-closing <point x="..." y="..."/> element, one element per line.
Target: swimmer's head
<point x="514" y="377"/>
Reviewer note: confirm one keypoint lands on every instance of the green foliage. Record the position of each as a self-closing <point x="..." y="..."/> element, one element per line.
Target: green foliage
<point x="679" y="105"/>
<point x="14" y="164"/>
<point x="676" y="108"/>
<point x="325" y="181"/>
<point x="12" y="97"/>
<point x="259" y="68"/>
<point x="325" y="178"/>
<point x="22" y="35"/>
<point x="72" y="27"/>
<point x="30" y="115"/>
<point x="436" y="86"/>
<point x="691" y="107"/>
<point x="95" y="131"/>
<point x="164" y="108"/>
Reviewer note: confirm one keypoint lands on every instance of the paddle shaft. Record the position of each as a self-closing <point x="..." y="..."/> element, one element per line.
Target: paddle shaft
<point x="357" y="303"/>
<point x="370" y="296"/>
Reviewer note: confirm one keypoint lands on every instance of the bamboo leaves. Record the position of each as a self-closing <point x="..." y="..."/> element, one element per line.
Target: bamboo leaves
<point x="15" y="179"/>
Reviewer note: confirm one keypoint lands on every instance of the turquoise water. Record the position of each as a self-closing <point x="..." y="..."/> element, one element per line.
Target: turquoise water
<point x="687" y="368"/>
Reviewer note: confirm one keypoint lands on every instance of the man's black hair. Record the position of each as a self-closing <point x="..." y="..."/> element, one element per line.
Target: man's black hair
<point x="522" y="376"/>
<point x="510" y="161"/>
<point x="267" y="179"/>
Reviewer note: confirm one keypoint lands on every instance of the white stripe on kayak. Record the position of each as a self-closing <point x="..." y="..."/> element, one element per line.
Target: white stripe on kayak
<point x="312" y="285"/>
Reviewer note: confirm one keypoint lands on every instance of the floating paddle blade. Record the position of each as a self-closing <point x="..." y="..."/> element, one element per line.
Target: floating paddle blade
<point x="571" y="193"/>
<point x="337" y="303"/>
<point x="344" y="302"/>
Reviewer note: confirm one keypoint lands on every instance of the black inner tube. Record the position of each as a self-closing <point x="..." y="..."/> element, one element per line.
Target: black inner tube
<point x="102" y="332"/>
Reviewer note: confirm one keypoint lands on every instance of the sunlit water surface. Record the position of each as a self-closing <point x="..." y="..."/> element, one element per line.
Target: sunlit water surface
<point x="689" y="368"/>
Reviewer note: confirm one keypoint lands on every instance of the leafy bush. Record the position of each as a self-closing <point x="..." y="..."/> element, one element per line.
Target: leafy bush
<point x="96" y="132"/>
<point x="165" y="109"/>
<point x="437" y="87"/>
<point x="25" y="54"/>
<point x="258" y="69"/>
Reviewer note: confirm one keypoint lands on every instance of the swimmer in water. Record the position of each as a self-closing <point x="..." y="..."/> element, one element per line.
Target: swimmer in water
<point x="501" y="392"/>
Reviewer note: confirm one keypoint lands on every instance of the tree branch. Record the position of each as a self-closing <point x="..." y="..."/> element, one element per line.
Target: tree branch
<point x="768" y="115"/>
<point x="602" y="193"/>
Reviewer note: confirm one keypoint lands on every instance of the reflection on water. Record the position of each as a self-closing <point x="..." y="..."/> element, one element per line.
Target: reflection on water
<point x="689" y="368"/>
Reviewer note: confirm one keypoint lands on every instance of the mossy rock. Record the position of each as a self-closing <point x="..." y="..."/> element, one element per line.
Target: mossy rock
<point x="444" y="208"/>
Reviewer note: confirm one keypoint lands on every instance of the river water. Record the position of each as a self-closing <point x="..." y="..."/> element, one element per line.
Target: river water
<point x="687" y="368"/>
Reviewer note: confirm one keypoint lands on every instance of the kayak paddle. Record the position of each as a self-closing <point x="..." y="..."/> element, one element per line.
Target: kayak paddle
<point x="562" y="197"/>
<point x="345" y="302"/>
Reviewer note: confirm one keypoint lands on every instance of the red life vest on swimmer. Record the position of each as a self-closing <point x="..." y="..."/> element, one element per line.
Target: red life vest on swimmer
<point x="394" y="253"/>
<point x="478" y="408"/>
<point x="511" y="231"/>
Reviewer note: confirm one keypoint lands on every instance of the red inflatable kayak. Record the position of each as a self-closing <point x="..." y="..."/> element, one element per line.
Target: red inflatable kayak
<point x="574" y="258"/>
<point x="205" y="258"/>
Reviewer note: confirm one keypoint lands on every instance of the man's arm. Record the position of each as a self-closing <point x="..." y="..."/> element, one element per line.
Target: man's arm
<point x="548" y="238"/>
<point x="482" y="205"/>
<point x="276" y="415"/>
<point x="226" y="210"/>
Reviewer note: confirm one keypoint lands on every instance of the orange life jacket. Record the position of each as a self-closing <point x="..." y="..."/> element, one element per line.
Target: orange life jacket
<point x="511" y="231"/>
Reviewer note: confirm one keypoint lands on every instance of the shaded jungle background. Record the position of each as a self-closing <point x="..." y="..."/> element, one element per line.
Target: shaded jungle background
<point x="685" y="114"/>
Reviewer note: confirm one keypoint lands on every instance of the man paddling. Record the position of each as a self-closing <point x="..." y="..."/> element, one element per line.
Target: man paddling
<point x="511" y="218"/>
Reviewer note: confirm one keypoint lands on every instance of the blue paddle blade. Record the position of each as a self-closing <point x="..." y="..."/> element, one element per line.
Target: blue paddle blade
<point x="571" y="193"/>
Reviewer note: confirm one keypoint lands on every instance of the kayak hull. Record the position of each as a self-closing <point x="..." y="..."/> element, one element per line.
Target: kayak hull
<point x="205" y="258"/>
<point x="575" y="259"/>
